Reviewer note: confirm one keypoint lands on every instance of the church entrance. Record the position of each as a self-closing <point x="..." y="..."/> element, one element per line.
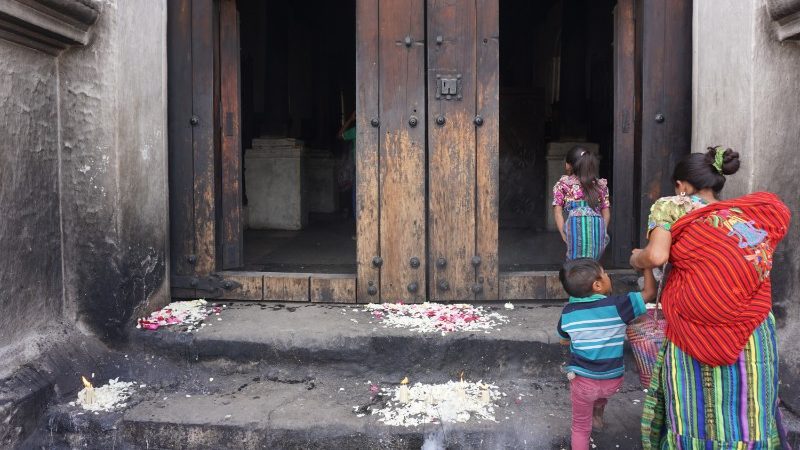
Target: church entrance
<point x="386" y="150"/>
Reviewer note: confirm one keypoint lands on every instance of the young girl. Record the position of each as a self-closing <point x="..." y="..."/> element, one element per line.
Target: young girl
<point x="584" y="198"/>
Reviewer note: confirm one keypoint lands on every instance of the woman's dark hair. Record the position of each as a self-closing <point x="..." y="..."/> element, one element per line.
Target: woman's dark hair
<point x="698" y="169"/>
<point x="586" y="166"/>
<point x="578" y="275"/>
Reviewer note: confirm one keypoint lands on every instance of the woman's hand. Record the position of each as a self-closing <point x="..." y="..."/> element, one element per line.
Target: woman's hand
<point x="635" y="259"/>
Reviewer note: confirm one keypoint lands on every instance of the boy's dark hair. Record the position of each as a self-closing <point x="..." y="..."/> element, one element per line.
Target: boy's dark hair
<point x="578" y="275"/>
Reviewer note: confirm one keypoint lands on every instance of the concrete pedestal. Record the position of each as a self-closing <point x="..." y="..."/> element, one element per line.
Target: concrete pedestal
<point x="274" y="183"/>
<point x="321" y="193"/>
<point x="556" y="152"/>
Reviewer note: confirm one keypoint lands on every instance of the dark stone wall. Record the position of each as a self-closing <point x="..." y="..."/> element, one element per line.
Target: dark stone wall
<point x="83" y="175"/>
<point x="30" y="247"/>
<point x="114" y="169"/>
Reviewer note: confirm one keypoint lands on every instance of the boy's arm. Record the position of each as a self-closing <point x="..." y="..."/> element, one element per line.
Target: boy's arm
<point x="562" y="334"/>
<point x="650" y="289"/>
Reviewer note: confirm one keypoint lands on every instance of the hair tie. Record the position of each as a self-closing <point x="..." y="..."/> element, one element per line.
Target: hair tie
<point x="719" y="157"/>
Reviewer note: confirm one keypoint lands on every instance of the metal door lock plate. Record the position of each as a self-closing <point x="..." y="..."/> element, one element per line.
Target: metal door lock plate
<point x="449" y="87"/>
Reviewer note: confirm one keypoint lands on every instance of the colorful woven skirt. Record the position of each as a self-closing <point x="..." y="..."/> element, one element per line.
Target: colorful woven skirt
<point x="585" y="230"/>
<point x="694" y="406"/>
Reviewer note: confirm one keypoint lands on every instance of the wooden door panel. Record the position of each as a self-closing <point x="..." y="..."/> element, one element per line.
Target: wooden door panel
<point x="203" y="135"/>
<point x="230" y="139"/>
<point x="181" y="175"/>
<point x="451" y="150"/>
<point x="367" y="149"/>
<point x="487" y="148"/>
<point x="623" y="229"/>
<point x="191" y="51"/>
<point x="402" y="149"/>
<point x="666" y="94"/>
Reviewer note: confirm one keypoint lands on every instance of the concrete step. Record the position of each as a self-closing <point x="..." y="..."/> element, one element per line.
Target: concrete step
<point x="349" y="340"/>
<point x="324" y="415"/>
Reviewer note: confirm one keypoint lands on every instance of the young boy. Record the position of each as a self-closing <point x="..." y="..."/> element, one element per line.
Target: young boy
<point x="594" y="325"/>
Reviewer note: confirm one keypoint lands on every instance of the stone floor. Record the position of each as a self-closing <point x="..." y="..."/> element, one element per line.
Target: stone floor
<point x="298" y="376"/>
<point x="327" y="246"/>
<point x="290" y="375"/>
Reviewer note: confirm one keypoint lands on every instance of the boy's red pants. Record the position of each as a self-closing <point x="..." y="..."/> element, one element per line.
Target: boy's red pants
<point x="587" y="396"/>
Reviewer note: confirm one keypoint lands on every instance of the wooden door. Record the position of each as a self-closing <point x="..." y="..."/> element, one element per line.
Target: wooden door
<point x="666" y="40"/>
<point x="204" y="147"/>
<point x="231" y="220"/>
<point x="427" y="231"/>
<point x="623" y="229"/>
<point x="390" y="150"/>
<point x="463" y="148"/>
<point x="190" y="53"/>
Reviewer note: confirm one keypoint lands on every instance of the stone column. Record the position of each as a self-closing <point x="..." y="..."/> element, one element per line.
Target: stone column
<point x="746" y="95"/>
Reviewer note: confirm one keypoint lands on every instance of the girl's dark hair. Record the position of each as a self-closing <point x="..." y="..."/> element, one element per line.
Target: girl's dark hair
<point x="698" y="169"/>
<point x="578" y="275"/>
<point x="586" y="166"/>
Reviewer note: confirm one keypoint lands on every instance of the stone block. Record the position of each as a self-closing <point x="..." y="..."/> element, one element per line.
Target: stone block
<point x="321" y="193"/>
<point x="274" y="182"/>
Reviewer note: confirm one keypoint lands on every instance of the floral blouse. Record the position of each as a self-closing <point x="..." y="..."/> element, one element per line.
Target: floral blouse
<point x="568" y="189"/>
<point x="667" y="210"/>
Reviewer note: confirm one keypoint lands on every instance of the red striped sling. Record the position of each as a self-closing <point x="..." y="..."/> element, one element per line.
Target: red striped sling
<point x="719" y="289"/>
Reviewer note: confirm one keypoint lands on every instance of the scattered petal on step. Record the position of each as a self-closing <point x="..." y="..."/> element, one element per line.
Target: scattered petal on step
<point x="186" y="313"/>
<point x="454" y="401"/>
<point x="436" y="317"/>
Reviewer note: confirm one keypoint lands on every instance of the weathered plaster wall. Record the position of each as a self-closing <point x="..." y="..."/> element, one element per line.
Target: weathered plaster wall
<point x="747" y="96"/>
<point x="83" y="175"/>
<point x="114" y="167"/>
<point x="30" y="246"/>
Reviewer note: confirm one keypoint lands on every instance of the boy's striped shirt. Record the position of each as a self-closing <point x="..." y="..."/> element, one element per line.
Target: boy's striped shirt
<point x="596" y="327"/>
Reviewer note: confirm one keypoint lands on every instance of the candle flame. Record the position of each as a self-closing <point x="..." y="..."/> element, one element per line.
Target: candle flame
<point x="86" y="383"/>
<point x="404" y="381"/>
<point x="462" y="376"/>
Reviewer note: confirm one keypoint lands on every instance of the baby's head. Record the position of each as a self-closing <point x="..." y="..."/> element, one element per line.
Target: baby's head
<point x="584" y="277"/>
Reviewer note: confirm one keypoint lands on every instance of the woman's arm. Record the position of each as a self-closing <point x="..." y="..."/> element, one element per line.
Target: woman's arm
<point x="558" y="216"/>
<point x="656" y="253"/>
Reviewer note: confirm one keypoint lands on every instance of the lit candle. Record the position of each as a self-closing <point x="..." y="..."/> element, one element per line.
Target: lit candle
<point x="461" y="391"/>
<point x="403" y="393"/>
<point x="485" y="397"/>
<point x="88" y="396"/>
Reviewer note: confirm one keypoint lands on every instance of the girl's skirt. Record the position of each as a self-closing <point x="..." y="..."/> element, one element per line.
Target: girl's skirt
<point x="690" y="405"/>
<point x="585" y="230"/>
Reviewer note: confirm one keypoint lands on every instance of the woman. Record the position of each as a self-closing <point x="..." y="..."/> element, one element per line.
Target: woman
<point x="716" y="380"/>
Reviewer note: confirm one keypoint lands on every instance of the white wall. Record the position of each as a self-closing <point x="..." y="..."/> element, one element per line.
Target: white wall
<point x="746" y="95"/>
